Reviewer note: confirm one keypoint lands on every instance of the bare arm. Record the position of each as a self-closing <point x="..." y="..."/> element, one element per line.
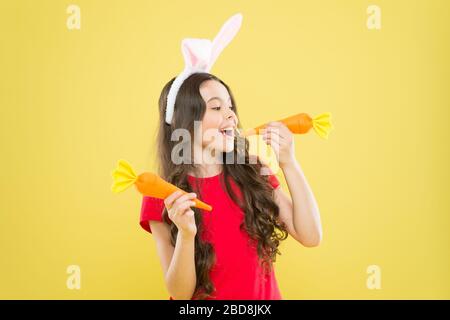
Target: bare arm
<point x="301" y="213"/>
<point x="178" y="263"/>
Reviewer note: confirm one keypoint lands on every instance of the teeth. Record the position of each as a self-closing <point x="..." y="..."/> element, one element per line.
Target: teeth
<point x="227" y="131"/>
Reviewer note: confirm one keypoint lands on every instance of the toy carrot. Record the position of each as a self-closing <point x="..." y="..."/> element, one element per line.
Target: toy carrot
<point x="147" y="183"/>
<point x="302" y="123"/>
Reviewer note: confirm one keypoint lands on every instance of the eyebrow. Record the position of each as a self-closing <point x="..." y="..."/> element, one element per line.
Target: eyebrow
<point x="229" y="98"/>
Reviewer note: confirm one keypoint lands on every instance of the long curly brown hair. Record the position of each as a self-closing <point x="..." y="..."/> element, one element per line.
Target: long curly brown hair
<point x="257" y="198"/>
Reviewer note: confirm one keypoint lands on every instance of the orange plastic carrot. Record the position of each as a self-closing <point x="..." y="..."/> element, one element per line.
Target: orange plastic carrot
<point x="147" y="183"/>
<point x="302" y="123"/>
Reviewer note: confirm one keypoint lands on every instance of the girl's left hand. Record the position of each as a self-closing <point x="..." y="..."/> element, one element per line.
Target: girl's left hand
<point x="280" y="138"/>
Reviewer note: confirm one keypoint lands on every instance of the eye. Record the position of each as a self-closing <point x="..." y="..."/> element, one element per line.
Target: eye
<point x="216" y="108"/>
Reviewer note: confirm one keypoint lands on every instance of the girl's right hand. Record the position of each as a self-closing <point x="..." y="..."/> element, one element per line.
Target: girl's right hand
<point x="178" y="207"/>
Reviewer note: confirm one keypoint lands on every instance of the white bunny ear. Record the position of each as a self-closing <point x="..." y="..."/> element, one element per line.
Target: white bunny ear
<point x="199" y="56"/>
<point x="196" y="52"/>
<point x="224" y="37"/>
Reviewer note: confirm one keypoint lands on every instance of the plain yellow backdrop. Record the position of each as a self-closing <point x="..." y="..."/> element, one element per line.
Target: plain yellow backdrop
<point x="73" y="102"/>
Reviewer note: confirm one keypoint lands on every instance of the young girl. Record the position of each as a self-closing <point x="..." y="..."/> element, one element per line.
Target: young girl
<point x="226" y="253"/>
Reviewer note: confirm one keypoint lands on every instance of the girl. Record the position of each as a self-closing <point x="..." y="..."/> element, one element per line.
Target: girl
<point x="227" y="253"/>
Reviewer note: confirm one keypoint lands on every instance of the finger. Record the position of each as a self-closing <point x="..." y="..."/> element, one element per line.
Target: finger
<point x="273" y="143"/>
<point x="185" y="197"/>
<point x="272" y="130"/>
<point x="275" y="124"/>
<point x="276" y="145"/>
<point x="281" y="128"/>
<point x="176" y="210"/>
<point x="273" y="137"/>
<point x="266" y="139"/>
<point x="190" y="213"/>
<point x="184" y="206"/>
<point x="280" y="139"/>
<point x="277" y="137"/>
<point x="172" y="197"/>
<point x="281" y="132"/>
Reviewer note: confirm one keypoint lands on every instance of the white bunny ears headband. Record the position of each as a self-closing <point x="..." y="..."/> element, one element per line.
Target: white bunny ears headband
<point x="199" y="56"/>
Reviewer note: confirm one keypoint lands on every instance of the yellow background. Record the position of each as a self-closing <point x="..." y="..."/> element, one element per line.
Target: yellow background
<point x="73" y="102"/>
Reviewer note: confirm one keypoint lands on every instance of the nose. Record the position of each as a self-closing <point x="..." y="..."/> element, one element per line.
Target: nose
<point x="230" y="115"/>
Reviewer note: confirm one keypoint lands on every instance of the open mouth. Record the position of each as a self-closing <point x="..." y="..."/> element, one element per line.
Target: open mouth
<point x="228" y="132"/>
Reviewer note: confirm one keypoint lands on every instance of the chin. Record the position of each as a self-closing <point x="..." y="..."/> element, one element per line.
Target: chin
<point x="220" y="145"/>
<point x="227" y="145"/>
<point x="228" y="148"/>
<point x="224" y="148"/>
<point x="223" y="144"/>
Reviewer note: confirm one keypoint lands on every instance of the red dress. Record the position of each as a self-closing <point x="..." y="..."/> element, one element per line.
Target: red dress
<point x="237" y="274"/>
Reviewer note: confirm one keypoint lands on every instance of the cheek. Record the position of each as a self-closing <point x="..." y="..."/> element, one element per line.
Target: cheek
<point x="210" y="123"/>
<point x="210" y="120"/>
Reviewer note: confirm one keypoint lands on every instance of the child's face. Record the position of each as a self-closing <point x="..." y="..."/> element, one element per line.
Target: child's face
<point x="219" y="121"/>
